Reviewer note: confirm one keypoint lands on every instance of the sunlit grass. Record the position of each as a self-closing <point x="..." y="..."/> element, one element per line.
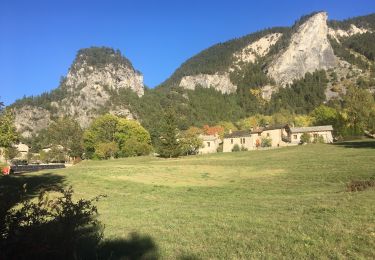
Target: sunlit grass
<point x="283" y="203"/>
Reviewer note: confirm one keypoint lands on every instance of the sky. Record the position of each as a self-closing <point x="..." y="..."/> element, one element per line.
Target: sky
<point x="40" y="38"/>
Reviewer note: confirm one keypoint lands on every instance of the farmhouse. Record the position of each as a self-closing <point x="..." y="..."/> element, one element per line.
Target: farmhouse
<point x="255" y="138"/>
<point x="276" y="136"/>
<point x="210" y="144"/>
<point x="324" y="132"/>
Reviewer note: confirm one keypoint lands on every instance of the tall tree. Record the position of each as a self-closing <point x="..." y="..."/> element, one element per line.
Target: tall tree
<point x="358" y="105"/>
<point x="169" y="145"/>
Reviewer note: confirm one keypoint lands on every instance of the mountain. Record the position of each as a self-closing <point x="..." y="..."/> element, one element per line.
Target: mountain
<point x="283" y="54"/>
<point x="293" y="68"/>
<point x="96" y="74"/>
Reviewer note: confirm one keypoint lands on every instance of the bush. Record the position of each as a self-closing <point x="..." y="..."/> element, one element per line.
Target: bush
<point x="236" y="148"/>
<point x="360" y="185"/>
<point x="266" y="142"/>
<point x="305" y="138"/>
<point x="318" y="139"/>
<point x="56" y="228"/>
<point x="243" y="148"/>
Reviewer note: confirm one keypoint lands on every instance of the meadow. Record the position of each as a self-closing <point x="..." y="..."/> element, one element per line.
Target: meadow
<point x="282" y="203"/>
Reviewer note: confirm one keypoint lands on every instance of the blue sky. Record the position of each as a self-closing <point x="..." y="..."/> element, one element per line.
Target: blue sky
<point x="39" y="39"/>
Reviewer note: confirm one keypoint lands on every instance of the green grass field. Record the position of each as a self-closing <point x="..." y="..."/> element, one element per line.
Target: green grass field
<point x="283" y="203"/>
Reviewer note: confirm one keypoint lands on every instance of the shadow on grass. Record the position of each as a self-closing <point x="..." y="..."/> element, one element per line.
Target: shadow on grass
<point x="14" y="188"/>
<point x="71" y="233"/>
<point x="357" y="144"/>
<point x="136" y="247"/>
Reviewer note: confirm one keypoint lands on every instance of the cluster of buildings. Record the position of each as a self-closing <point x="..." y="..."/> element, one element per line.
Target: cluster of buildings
<point x="256" y="138"/>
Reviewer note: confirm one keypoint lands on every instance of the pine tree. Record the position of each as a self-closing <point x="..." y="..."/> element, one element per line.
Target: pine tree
<point x="169" y="145"/>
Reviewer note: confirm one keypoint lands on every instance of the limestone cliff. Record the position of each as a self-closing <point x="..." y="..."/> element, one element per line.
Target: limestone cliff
<point x="256" y="49"/>
<point x="221" y="82"/>
<point x="309" y="50"/>
<point x="95" y="75"/>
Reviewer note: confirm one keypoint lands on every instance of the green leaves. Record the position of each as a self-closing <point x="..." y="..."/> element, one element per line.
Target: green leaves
<point x="8" y="133"/>
<point x="111" y="136"/>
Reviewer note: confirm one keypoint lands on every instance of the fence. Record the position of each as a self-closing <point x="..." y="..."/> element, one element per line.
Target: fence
<point x="34" y="168"/>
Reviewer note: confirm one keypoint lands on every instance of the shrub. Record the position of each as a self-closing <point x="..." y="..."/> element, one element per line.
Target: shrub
<point x="243" y="148"/>
<point x="318" y="139"/>
<point x="360" y="185"/>
<point x="236" y="148"/>
<point x="305" y="138"/>
<point x="266" y="142"/>
<point x="56" y="228"/>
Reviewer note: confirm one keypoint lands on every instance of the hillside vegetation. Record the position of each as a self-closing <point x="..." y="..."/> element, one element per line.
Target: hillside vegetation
<point x="283" y="203"/>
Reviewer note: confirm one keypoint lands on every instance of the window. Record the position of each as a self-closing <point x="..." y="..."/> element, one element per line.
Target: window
<point x="243" y="140"/>
<point x="315" y="135"/>
<point x="208" y="144"/>
<point x="231" y="141"/>
<point x="259" y="134"/>
<point x="268" y="134"/>
<point x="295" y="137"/>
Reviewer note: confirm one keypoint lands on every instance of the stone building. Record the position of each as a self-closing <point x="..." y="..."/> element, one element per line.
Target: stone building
<point x="210" y="144"/>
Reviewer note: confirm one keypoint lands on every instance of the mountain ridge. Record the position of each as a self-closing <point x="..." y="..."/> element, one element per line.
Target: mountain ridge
<point x="227" y="81"/>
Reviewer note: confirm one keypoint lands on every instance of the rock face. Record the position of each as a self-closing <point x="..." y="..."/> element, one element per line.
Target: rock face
<point x="259" y="48"/>
<point x="96" y="74"/>
<point x="29" y="120"/>
<point x="339" y="33"/>
<point x="220" y="82"/>
<point x="110" y="76"/>
<point x="309" y="50"/>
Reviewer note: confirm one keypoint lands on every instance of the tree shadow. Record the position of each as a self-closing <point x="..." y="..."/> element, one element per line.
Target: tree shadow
<point x="75" y="234"/>
<point x="14" y="188"/>
<point x="136" y="247"/>
<point x="357" y="144"/>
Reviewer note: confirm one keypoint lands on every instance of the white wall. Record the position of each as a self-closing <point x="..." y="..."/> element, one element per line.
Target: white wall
<point x="209" y="147"/>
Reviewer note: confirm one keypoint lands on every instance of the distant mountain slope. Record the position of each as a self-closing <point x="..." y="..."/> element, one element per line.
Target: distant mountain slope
<point x="293" y="68"/>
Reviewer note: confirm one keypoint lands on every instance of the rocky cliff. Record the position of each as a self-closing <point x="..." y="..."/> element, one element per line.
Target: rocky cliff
<point x="220" y="82"/>
<point x="95" y="75"/>
<point x="309" y="50"/>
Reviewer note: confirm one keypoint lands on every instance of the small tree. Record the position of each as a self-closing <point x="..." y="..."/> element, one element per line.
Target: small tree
<point x="266" y="142"/>
<point x="305" y="138"/>
<point x="190" y="142"/>
<point x="236" y="148"/>
<point x="8" y="133"/>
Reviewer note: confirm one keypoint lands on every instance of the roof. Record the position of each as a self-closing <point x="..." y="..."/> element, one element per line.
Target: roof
<point x="311" y="129"/>
<point x="236" y="134"/>
<point x="208" y="137"/>
<point x="247" y="133"/>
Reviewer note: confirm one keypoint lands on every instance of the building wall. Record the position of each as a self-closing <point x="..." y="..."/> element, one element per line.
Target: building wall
<point x="276" y="136"/>
<point x="248" y="142"/>
<point x="327" y="137"/>
<point x="251" y="141"/>
<point x="210" y="146"/>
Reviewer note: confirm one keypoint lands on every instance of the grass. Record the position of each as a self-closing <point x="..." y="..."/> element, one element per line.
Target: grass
<point x="283" y="203"/>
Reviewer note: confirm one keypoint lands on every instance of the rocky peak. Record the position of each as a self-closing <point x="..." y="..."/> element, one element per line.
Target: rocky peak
<point x="309" y="50"/>
<point x="98" y="68"/>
